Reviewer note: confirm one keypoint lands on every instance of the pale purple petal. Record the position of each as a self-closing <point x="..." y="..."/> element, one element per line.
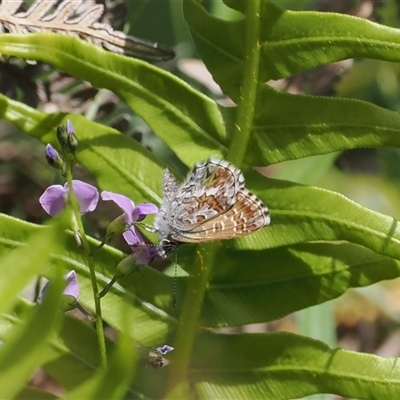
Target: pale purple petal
<point x="133" y="237"/>
<point x="143" y="254"/>
<point x="72" y="288"/>
<point x="123" y="202"/>
<point x="70" y="127"/>
<point x="51" y="153"/>
<point x="53" y="200"/>
<point x="88" y="195"/>
<point x="142" y="210"/>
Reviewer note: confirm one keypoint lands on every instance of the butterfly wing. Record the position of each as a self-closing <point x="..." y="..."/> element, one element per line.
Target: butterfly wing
<point x="213" y="204"/>
<point x="162" y="221"/>
<point x="170" y="186"/>
<point x="247" y="215"/>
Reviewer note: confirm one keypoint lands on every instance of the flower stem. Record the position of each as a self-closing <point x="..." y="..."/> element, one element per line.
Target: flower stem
<point x="86" y="248"/>
<point x="108" y="287"/>
<point x="87" y="314"/>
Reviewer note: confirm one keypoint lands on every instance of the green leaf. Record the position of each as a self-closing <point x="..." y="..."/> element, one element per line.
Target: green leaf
<point x="279" y="365"/>
<point x="119" y="163"/>
<point x="317" y="126"/>
<point x="288" y="127"/>
<point x="72" y="359"/>
<point x="31" y="393"/>
<point x="20" y="265"/>
<point x="291" y="42"/>
<point x="113" y="381"/>
<point x="258" y="286"/>
<point x="185" y="119"/>
<point x="285" y="366"/>
<point x="305" y="213"/>
<point x="151" y="318"/>
<point x="306" y="171"/>
<point x="22" y="351"/>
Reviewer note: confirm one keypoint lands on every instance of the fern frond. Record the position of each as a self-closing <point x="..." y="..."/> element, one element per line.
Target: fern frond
<point x="64" y="20"/>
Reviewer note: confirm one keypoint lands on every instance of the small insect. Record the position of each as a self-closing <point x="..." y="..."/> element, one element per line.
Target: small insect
<point x="211" y="204"/>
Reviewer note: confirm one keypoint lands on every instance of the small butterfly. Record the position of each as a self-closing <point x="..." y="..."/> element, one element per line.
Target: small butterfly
<point x="211" y="204"/>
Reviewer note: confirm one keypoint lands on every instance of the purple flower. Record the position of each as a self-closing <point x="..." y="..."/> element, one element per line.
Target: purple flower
<point x="55" y="197"/>
<point x="132" y="214"/>
<point x="70" y="293"/>
<point x="72" y="288"/>
<point x="144" y="254"/>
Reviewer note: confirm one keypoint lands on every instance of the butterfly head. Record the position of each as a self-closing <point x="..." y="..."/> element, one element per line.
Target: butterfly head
<point x="167" y="247"/>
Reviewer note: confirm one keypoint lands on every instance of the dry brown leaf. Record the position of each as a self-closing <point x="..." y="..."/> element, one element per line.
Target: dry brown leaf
<point x="41" y="17"/>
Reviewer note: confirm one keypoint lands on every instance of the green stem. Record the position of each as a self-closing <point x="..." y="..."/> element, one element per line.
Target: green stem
<point x="108" y="287"/>
<point x="188" y="322"/>
<point x="178" y="384"/>
<point x="99" y="319"/>
<point x="246" y="108"/>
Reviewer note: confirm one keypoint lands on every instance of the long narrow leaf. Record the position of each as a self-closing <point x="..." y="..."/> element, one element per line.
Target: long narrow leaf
<point x="185" y="119"/>
<point x="285" y="366"/>
<point x="290" y="41"/>
<point x="22" y="351"/>
<point x="19" y="266"/>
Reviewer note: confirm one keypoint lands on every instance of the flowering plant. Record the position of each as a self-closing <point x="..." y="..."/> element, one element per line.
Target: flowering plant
<point x="84" y="198"/>
<point x="320" y="243"/>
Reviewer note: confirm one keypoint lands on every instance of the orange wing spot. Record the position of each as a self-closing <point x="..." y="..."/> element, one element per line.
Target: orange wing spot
<point x="200" y="218"/>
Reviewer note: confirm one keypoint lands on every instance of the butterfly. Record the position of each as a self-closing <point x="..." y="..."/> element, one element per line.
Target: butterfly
<point x="211" y="204"/>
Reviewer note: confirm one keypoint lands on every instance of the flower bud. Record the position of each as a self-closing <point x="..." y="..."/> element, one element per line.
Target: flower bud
<point x="128" y="265"/>
<point x="125" y="267"/>
<point x="72" y="139"/>
<point x="53" y="158"/>
<point x="117" y="226"/>
<point x="68" y="141"/>
<point x="68" y="302"/>
<point x="62" y="137"/>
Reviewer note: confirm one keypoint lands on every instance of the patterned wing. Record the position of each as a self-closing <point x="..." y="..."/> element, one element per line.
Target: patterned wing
<point x="170" y="186"/>
<point x="247" y="215"/>
<point x="162" y="221"/>
<point x="209" y="190"/>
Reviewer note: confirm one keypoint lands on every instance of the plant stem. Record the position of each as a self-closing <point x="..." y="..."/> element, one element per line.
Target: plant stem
<point x="178" y="385"/>
<point x="188" y="322"/>
<point x="99" y="319"/>
<point x="246" y="108"/>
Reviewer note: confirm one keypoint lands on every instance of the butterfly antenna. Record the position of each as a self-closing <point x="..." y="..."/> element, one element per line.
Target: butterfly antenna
<point x="175" y="280"/>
